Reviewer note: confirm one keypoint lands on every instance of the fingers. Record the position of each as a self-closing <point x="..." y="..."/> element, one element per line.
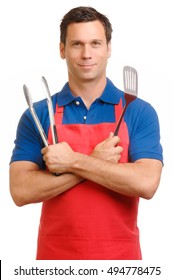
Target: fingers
<point x="43" y="151"/>
<point x="112" y="139"/>
<point x="118" y="150"/>
<point x="53" y="147"/>
<point x="58" y="157"/>
<point x="111" y="134"/>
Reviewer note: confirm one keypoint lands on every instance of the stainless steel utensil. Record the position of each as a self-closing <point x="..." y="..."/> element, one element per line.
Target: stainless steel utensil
<point x="50" y="110"/>
<point x="34" y="115"/>
<point x="130" y="79"/>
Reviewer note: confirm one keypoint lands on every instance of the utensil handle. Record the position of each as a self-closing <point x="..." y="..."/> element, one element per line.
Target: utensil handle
<point x="119" y="122"/>
<point x="55" y="134"/>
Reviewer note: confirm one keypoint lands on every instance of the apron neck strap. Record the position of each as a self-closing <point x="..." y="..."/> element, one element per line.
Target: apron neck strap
<point x="60" y="112"/>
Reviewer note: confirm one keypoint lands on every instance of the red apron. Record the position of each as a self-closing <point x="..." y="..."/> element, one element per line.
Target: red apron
<point x="89" y="221"/>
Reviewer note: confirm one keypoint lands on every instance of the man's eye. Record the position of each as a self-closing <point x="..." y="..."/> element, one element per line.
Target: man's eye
<point x="76" y="44"/>
<point x="96" y="43"/>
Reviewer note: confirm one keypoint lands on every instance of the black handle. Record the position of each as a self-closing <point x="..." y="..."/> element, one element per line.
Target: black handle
<point x="119" y="122"/>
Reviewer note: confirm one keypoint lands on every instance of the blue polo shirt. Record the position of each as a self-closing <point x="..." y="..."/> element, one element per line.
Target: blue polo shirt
<point x="141" y="118"/>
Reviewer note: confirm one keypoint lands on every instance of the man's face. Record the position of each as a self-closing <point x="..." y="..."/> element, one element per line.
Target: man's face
<point x="86" y="51"/>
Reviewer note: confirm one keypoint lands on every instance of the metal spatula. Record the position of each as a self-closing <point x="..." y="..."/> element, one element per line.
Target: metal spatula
<point x="130" y="79"/>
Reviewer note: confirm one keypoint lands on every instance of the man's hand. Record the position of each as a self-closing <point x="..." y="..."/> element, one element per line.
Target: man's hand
<point x="108" y="149"/>
<point x="58" y="157"/>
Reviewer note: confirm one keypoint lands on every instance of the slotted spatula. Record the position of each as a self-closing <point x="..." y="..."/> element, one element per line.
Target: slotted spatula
<point x="130" y="79"/>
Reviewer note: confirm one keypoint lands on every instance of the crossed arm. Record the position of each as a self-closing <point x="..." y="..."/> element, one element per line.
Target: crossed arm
<point x="28" y="184"/>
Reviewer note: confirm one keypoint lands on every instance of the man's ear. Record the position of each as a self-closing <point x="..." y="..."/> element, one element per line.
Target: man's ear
<point x="62" y="50"/>
<point x="109" y="49"/>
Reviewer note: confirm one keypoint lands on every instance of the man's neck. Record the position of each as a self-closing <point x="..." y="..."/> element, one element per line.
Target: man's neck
<point x="89" y="91"/>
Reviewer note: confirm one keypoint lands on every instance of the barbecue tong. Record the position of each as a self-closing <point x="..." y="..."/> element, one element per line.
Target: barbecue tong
<point x="50" y="110"/>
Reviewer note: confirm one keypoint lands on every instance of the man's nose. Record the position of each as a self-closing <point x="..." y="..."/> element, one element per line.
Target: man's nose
<point x="86" y="52"/>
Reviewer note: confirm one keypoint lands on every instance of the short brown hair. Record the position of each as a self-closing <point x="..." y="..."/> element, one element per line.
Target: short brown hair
<point x="84" y="14"/>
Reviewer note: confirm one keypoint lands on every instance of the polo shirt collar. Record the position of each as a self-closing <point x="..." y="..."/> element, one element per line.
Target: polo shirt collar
<point x="65" y="96"/>
<point x="111" y="94"/>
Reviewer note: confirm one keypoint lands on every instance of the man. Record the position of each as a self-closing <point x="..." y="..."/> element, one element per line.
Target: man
<point x="90" y="210"/>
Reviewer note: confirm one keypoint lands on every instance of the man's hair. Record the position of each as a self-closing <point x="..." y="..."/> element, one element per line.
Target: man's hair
<point x="84" y="14"/>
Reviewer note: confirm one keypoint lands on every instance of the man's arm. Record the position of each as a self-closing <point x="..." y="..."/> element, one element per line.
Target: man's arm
<point x="28" y="184"/>
<point x="140" y="178"/>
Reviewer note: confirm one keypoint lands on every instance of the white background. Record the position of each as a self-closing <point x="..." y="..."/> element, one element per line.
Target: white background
<point x="29" y="33"/>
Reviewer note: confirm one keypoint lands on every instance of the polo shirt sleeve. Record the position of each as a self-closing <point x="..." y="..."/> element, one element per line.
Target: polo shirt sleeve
<point x="28" y="143"/>
<point x="145" y="133"/>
